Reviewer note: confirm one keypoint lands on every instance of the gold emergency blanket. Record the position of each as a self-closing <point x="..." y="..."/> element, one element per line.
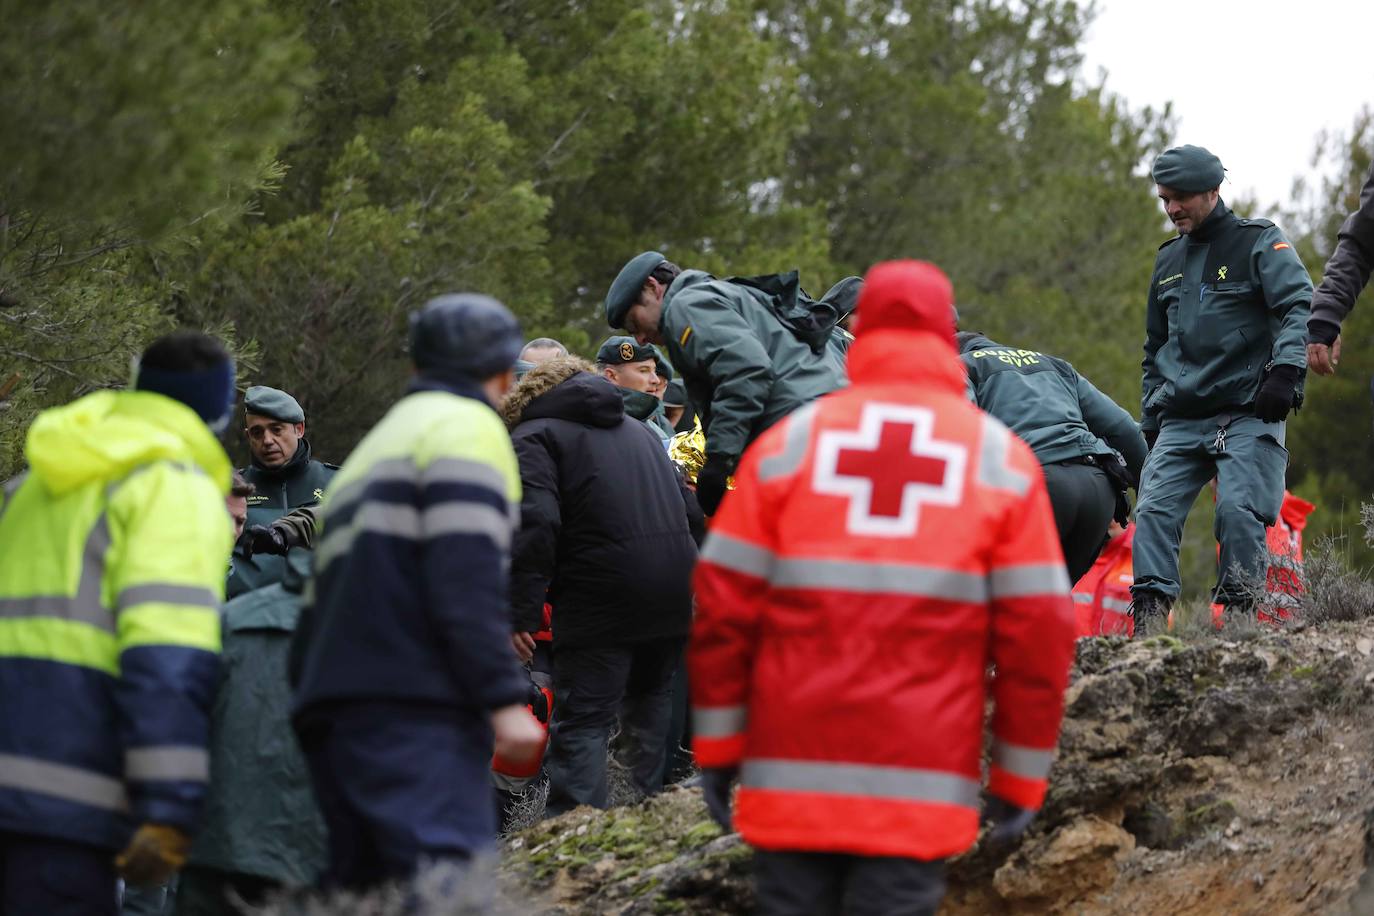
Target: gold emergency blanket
<point x="688" y="451"/>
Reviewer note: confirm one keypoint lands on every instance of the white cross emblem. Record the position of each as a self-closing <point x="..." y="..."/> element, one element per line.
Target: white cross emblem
<point x="888" y="467"/>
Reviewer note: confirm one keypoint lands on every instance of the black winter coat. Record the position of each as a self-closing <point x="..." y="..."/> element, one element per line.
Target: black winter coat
<point x="605" y="521"/>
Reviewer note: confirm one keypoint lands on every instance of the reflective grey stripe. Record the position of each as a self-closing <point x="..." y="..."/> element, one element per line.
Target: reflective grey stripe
<point x="897" y="783"/>
<point x="168" y="594"/>
<point x="392" y="470"/>
<point x="43" y="777"/>
<point x="1026" y="762"/>
<point x="1116" y="604"/>
<point x="1029" y="580"/>
<point x="404" y="470"/>
<point x="796" y="438"/>
<point x="993" y="469"/>
<point x="467" y="518"/>
<point x="1082" y="598"/>
<point x="740" y="556"/>
<point x="718" y="721"/>
<point x="403" y="521"/>
<point x="881" y="578"/>
<point x="462" y="470"/>
<point x="83" y="607"/>
<point x="167" y="762"/>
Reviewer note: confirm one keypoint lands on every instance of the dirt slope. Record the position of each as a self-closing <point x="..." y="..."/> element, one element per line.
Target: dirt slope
<point x="1216" y="776"/>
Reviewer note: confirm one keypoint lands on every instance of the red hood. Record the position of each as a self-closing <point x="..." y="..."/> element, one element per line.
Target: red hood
<point x="891" y="356"/>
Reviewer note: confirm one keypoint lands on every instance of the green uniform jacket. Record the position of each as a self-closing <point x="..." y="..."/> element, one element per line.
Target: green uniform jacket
<point x="1056" y="411"/>
<point x="744" y="370"/>
<point x="300" y="482"/>
<point x="260" y="814"/>
<point x="1226" y="302"/>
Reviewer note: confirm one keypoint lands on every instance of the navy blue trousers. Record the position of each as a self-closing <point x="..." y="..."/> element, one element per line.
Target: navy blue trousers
<point x="400" y="786"/>
<point x="46" y="877"/>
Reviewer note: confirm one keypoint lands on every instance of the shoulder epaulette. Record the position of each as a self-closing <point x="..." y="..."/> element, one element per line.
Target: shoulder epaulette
<point x="1257" y="222"/>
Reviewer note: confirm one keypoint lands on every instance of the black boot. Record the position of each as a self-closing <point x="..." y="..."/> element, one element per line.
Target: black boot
<point x="1150" y="610"/>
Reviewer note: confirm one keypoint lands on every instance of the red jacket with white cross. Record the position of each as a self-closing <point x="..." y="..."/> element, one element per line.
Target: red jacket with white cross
<point x="885" y="545"/>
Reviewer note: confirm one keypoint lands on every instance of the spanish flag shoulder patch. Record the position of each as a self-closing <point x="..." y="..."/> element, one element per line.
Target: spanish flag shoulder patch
<point x="682" y="341"/>
<point x="1279" y="246"/>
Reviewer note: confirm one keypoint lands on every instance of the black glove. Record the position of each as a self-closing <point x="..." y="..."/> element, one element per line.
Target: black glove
<point x="716" y="783"/>
<point x="1275" y="396"/>
<point x="538" y="703"/>
<point x="264" y="539"/>
<point x="1007" y="822"/>
<point x="711" y="482"/>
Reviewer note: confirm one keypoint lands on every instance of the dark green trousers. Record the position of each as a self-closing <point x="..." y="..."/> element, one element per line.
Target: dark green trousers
<point x="1248" y="459"/>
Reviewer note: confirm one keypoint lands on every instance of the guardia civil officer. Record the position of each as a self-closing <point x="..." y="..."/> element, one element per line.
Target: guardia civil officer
<point x="285" y="476"/>
<point x="1343" y="279"/>
<point x="1074" y="430"/>
<point x="632" y="368"/>
<point x="401" y="662"/>
<point x="744" y="368"/>
<point x="1225" y="351"/>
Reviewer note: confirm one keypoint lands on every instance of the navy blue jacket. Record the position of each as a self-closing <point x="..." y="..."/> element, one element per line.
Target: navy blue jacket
<point x="408" y="601"/>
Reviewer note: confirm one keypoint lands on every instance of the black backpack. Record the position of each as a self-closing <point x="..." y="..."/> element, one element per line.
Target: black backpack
<point x="810" y="320"/>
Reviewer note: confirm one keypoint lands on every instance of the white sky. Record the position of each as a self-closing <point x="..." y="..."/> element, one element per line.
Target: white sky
<point x="1254" y="81"/>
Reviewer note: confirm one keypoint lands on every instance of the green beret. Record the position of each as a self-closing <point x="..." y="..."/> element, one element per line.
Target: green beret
<point x="619" y="350"/>
<point x="269" y="402"/>
<point x="662" y="366"/>
<point x="675" y="395"/>
<point x="1189" y="169"/>
<point x="624" y="291"/>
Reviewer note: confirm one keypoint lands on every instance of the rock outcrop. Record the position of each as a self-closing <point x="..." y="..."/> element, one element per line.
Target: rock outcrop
<point x="1211" y="776"/>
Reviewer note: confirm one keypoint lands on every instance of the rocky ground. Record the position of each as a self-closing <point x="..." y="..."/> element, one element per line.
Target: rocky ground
<point x="1216" y="774"/>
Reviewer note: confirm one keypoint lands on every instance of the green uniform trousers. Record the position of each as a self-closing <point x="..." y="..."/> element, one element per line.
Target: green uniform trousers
<point x="1248" y="458"/>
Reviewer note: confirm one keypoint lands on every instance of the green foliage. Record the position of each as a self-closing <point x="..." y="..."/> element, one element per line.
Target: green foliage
<point x="130" y="130"/>
<point x="524" y="153"/>
<point x="527" y="150"/>
<point x="144" y="114"/>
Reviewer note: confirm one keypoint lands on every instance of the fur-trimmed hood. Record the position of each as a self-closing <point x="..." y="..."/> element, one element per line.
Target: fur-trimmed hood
<point x="566" y="388"/>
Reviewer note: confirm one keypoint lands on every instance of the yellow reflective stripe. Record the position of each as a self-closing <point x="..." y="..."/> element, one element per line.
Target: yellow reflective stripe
<point x="156" y="624"/>
<point x="66" y="641"/>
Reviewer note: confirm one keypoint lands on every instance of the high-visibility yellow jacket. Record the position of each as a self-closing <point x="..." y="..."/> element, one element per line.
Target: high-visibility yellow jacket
<point x="113" y="552"/>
